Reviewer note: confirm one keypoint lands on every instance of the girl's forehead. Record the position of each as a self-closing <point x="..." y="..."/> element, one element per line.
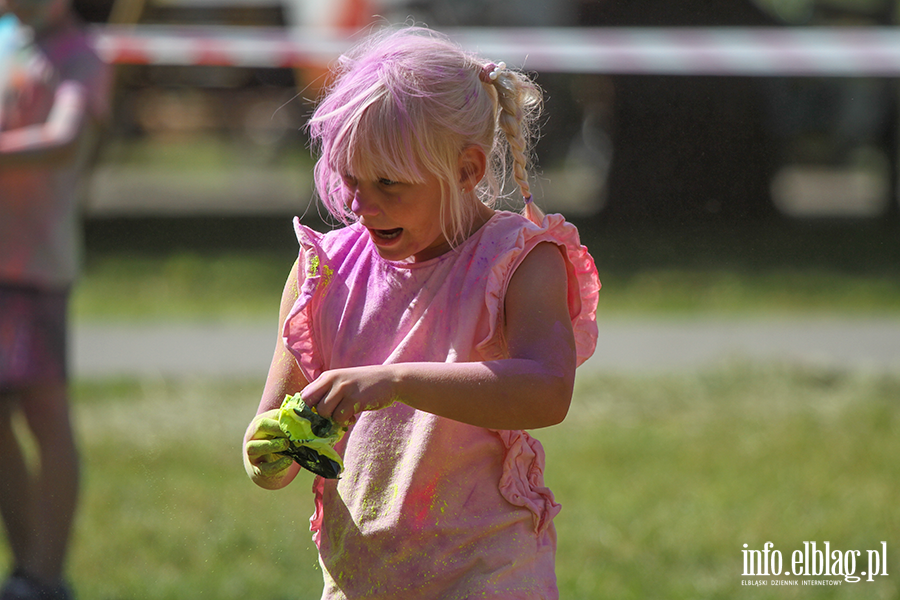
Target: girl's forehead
<point x="371" y="171"/>
<point x="373" y="160"/>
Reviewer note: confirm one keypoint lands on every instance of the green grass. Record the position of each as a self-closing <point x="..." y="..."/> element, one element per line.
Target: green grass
<point x="225" y="270"/>
<point x="789" y="267"/>
<point x="199" y="154"/>
<point x="662" y="480"/>
<point x="247" y="286"/>
<point x="182" y="286"/>
<point x="670" y="476"/>
<point x="723" y="292"/>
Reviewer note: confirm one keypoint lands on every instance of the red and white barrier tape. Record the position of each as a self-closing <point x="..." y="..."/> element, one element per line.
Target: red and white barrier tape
<point x="862" y="51"/>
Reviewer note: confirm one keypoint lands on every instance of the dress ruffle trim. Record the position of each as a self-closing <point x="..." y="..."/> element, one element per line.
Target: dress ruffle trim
<point x="298" y="326"/>
<point x="522" y="481"/>
<point x="315" y="521"/>
<point x="584" y="291"/>
<point x="314" y="273"/>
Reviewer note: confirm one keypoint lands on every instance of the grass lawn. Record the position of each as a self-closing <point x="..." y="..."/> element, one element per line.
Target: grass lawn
<point x="219" y="269"/>
<point x="662" y="479"/>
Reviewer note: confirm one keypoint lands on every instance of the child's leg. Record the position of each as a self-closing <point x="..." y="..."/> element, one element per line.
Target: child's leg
<point x="55" y="486"/>
<point x="38" y="500"/>
<point x="14" y="483"/>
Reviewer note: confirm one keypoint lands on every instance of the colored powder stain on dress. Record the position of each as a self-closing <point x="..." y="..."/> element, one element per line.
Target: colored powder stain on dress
<point x="421" y="502"/>
<point x="313" y="271"/>
<point x="395" y="491"/>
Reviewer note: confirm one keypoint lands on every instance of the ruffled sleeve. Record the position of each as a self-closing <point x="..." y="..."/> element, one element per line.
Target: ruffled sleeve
<point x="312" y="277"/>
<point x="584" y="283"/>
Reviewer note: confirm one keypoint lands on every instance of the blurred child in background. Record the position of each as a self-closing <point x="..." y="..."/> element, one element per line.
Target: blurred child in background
<point x="55" y="98"/>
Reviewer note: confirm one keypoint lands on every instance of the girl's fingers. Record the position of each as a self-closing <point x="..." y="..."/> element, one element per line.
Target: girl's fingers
<point x="266" y="427"/>
<point x="267" y="446"/>
<point x="336" y="407"/>
<point x="343" y="414"/>
<point x="322" y="394"/>
<point x="312" y="393"/>
<point x="268" y="469"/>
<point x="342" y="394"/>
<point x="266" y="437"/>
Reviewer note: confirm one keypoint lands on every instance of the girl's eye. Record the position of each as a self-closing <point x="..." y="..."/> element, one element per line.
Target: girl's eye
<point x="387" y="182"/>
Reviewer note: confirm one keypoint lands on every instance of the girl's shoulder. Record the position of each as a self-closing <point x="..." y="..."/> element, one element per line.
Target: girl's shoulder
<point x="510" y="238"/>
<point x="515" y="229"/>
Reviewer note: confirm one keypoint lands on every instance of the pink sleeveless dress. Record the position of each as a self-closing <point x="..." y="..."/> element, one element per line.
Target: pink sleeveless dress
<point x="428" y="507"/>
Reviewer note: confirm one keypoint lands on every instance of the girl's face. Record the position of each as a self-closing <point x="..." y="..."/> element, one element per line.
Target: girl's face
<point x="403" y="219"/>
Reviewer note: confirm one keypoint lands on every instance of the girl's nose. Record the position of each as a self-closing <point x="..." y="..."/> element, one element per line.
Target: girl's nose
<point x="359" y="206"/>
<point x="355" y="206"/>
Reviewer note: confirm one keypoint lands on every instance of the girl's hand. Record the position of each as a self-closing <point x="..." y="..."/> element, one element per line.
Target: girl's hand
<point x="263" y="442"/>
<point x="342" y="394"/>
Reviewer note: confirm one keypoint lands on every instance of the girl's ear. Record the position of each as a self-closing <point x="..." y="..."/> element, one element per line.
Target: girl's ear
<point x="472" y="165"/>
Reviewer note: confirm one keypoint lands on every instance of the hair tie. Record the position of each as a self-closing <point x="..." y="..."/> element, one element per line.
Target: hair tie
<point x="528" y="199"/>
<point x="491" y="71"/>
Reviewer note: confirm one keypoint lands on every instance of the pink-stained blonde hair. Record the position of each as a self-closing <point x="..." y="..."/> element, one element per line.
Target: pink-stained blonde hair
<point x="407" y="101"/>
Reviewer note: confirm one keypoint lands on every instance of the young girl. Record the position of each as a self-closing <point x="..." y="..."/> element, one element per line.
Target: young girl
<point x="435" y="327"/>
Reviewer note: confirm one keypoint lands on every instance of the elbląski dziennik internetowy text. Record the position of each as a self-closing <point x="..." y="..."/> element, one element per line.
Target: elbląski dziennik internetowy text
<point x="814" y="560"/>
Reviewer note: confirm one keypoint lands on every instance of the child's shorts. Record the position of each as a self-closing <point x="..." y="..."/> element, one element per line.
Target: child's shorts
<point x="33" y="325"/>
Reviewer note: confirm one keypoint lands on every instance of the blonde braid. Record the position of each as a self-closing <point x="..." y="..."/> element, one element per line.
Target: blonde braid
<point x="519" y="99"/>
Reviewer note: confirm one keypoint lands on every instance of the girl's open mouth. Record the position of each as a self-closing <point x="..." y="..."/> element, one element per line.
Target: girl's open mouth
<point x="386" y="234"/>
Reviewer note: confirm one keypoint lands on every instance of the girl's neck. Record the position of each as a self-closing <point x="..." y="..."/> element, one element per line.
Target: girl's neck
<point x="480" y="218"/>
<point x="483" y="214"/>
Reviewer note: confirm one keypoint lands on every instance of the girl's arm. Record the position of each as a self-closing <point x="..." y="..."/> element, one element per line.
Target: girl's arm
<point x="531" y="389"/>
<point x="264" y="438"/>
